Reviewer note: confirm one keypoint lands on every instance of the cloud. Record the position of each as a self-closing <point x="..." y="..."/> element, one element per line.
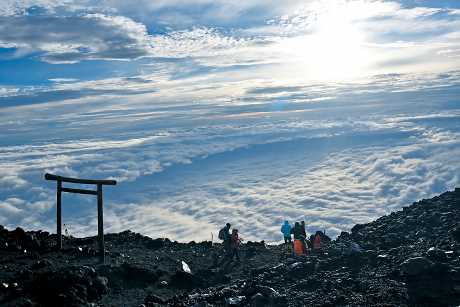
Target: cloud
<point x="11" y="206"/>
<point x="62" y="80"/>
<point x="320" y="40"/>
<point x="199" y="162"/>
<point x="451" y="53"/>
<point x="331" y="191"/>
<point x="183" y="14"/>
<point x="9" y="91"/>
<point x="196" y="42"/>
<point x="72" y="39"/>
<point x="252" y="114"/>
<point x="15" y="7"/>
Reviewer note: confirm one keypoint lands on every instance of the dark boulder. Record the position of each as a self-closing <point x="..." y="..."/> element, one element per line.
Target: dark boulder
<point x="3" y="233"/>
<point x="455" y="233"/>
<point x="415" y="266"/>
<point x="101" y="284"/>
<point x="436" y="254"/>
<point x="184" y="280"/>
<point x="18" y="234"/>
<point x="130" y="275"/>
<point x="260" y="244"/>
<point x="73" y="286"/>
<point x="358" y="227"/>
<point x="152" y="300"/>
<point x="258" y="300"/>
<point x="213" y="276"/>
<point x="433" y="287"/>
<point x="156" y="243"/>
<point x="40" y="264"/>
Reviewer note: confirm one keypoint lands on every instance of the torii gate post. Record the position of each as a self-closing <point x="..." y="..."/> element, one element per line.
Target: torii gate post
<point x="100" y="212"/>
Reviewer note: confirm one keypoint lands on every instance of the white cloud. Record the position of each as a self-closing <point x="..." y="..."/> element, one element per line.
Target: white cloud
<point x="333" y="193"/>
<point x="196" y="42"/>
<point x="230" y="127"/>
<point x="71" y="39"/>
<point x="11" y="207"/>
<point x="97" y="36"/>
<point x="320" y="40"/>
<point x="254" y="162"/>
<point x="451" y="53"/>
<point x="16" y="7"/>
<point x="8" y="91"/>
<point x="63" y="80"/>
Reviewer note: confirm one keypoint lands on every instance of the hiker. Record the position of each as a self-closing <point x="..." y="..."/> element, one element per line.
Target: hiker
<point x="235" y="245"/>
<point x="304" y="236"/>
<point x="298" y="238"/>
<point x="317" y="241"/>
<point x="286" y="231"/>
<point x="224" y="235"/>
<point x="296" y="231"/>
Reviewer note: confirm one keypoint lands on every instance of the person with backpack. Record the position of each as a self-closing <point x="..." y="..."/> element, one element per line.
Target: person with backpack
<point x="317" y="241"/>
<point x="304" y="236"/>
<point x="286" y="231"/>
<point x="296" y="231"/>
<point x="235" y="245"/>
<point x="298" y="238"/>
<point x="224" y="235"/>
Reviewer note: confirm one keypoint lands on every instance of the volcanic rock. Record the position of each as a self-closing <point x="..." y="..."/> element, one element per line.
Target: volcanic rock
<point x="407" y="258"/>
<point x="416" y="266"/>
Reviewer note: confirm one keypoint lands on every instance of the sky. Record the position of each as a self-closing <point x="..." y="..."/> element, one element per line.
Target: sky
<point x="334" y="112"/>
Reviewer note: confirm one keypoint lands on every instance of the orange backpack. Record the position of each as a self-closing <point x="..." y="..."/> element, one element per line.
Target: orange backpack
<point x="298" y="247"/>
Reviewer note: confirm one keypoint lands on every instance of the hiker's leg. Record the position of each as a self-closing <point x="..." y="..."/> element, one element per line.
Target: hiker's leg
<point x="232" y="253"/>
<point x="227" y="248"/>
<point x="304" y="247"/>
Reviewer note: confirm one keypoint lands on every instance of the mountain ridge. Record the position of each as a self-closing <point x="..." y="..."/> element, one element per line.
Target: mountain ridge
<point x="410" y="257"/>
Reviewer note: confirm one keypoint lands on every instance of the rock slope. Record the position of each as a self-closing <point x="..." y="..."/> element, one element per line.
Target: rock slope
<point x="408" y="258"/>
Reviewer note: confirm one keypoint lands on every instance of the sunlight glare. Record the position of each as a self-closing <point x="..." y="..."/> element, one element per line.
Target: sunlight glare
<point x="333" y="49"/>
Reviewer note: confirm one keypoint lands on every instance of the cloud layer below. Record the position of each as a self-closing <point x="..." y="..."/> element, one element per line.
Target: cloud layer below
<point x="332" y="155"/>
<point x="335" y="112"/>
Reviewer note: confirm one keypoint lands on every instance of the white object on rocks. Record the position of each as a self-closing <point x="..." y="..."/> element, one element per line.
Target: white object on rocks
<point x="186" y="268"/>
<point x="235" y="300"/>
<point x="294" y="265"/>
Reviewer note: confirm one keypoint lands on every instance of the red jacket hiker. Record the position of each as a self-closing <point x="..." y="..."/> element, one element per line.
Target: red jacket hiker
<point x="317" y="242"/>
<point x="235" y="239"/>
<point x="235" y="243"/>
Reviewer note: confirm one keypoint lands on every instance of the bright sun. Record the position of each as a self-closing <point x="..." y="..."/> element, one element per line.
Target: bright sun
<point x="333" y="49"/>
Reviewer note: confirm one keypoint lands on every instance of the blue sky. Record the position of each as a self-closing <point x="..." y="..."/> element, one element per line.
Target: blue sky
<point x="335" y="112"/>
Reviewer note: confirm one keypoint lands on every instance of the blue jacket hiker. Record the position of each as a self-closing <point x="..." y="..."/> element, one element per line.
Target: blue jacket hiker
<point x="286" y="230"/>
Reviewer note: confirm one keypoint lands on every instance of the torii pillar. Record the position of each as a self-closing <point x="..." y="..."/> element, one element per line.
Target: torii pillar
<point x="100" y="212"/>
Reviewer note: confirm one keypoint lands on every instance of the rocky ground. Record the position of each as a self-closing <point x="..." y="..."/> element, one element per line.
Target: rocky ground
<point x="410" y="257"/>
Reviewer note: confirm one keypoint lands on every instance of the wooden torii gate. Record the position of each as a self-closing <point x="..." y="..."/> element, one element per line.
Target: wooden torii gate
<point x="100" y="214"/>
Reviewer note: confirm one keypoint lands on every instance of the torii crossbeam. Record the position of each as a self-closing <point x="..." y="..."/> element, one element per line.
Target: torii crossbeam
<point x="100" y="213"/>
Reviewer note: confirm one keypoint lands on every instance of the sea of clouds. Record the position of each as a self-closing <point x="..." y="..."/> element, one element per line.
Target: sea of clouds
<point x="213" y="111"/>
<point x="189" y="162"/>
